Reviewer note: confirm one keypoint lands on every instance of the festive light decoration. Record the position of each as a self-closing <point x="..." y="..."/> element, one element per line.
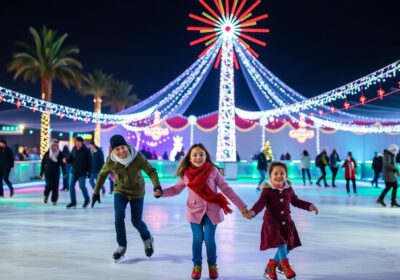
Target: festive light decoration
<point x="44" y="133"/>
<point x="12" y="129"/>
<point x="192" y="121"/>
<point x="227" y="25"/>
<point x="302" y="133"/>
<point x="22" y="100"/>
<point x="156" y="131"/>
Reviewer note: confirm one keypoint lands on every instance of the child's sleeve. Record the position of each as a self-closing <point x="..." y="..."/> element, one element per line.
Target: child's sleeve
<point x="228" y="191"/>
<point x="261" y="203"/>
<point x="297" y="202"/>
<point x="174" y="190"/>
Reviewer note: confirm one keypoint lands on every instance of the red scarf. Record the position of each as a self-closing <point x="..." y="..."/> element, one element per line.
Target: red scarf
<point x="198" y="183"/>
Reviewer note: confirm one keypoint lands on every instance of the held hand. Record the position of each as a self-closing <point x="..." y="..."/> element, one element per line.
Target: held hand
<point x="244" y="211"/>
<point x="95" y="198"/>
<point x="313" y="208"/>
<point x="250" y="214"/>
<point x="157" y="191"/>
<point x="64" y="160"/>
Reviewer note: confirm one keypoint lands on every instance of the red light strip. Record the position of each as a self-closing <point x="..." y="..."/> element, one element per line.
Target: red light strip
<point x="202" y="39"/>
<point x="209" y="8"/>
<point x="240" y="8"/>
<point x="235" y="59"/>
<point x="254" y="40"/>
<point x="234" y="7"/>
<point x="206" y="50"/>
<point x="227" y="7"/>
<point x="256" y="30"/>
<point x="250" y="9"/>
<point x="218" y="7"/>
<point x="202" y="19"/>
<point x="255" y="19"/>
<point x="199" y="28"/>
<point x="218" y="59"/>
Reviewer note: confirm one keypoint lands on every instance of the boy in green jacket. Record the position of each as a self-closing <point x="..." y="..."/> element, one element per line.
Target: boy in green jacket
<point x="126" y="164"/>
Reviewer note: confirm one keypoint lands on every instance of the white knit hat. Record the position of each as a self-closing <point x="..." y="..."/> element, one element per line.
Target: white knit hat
<point x="393" y="147"/>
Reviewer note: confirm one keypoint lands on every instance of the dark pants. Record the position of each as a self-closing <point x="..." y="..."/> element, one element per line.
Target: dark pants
<point x="303" y="172"/>
<point x="93" y="180"/>
<point x="348" y="185"/>
<point x="334" y="173"/>
<point x="389" y="185"/>
<point x="81" y="181"/>
<point x="323" y="176"/>
<point x="120" y="203"/>
<point x="52" y="182"/>
<point x="376" y="177"/>
<point x="66" y="179"/>
<point x="4" y="175"/>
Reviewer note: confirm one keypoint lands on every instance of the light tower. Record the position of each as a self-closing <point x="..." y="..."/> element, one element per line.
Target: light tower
<point x="227" y="26"/>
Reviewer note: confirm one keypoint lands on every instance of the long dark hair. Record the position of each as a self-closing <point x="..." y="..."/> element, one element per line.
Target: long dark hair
<point x="185" y="162"/>
<point x="305" y="153"/>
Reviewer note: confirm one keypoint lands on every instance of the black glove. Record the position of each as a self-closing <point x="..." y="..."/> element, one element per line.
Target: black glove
<point x="95" y="198"/>
<point x="158" y="188"/>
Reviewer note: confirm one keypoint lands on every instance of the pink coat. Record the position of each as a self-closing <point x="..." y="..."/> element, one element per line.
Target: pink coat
<point x="196" y="207"/>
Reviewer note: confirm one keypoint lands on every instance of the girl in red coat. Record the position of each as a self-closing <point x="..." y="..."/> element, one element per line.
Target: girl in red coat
<point x="278" y="229"/>
<point x="350" y="166"/>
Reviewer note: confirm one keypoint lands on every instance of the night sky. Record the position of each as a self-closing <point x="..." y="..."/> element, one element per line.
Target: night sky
<point x="314" y="45"/>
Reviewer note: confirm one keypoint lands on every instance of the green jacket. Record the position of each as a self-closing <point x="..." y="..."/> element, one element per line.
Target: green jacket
<point x="129" y="181"/>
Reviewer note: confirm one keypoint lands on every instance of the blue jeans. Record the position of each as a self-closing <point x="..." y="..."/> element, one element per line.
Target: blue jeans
<point x="205" y="231"/>
<point x="263" y="173"/>
<point x="81" y="181"/>
<point x="120" y="203"/>
<point x="93" y="180"/>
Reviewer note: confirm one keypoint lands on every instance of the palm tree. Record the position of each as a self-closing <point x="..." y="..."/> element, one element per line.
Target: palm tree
<point x="97" y="84"/>
<point x="48" y="59"/>
<point x="120" y="97"/>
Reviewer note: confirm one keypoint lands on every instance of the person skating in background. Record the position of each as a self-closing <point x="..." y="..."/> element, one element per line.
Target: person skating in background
<point x="321" y="161"/>
<point x="377" y="165"/>
<point x="205" y="205"/>
<point x="389" y="175"/>
<point x="278" y="229"/>
<point x="6" y="166"/>
<point x="97" y="164"/>
<point x="334" y="165"/>
<point x="262" y="167"/>
<point x="52" y="161"/>
<point x="126" y="165"/>
<point x="81" y="161"/>
<point x="350" y="167"/>
<point x="305" y="166"/>
<point x="66" y="178"/>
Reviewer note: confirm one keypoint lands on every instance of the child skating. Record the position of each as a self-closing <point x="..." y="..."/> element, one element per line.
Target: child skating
<point x="278" y="229"/>
<point x="126" y="164"/>
<point x="205" y="205"/>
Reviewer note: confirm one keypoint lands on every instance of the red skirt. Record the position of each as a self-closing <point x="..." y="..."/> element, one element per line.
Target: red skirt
<point x="274" y="234"/>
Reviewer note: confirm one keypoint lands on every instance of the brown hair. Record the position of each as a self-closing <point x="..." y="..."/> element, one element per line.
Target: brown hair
<point x="279" y="164"/>
<point x="185" y="162"/>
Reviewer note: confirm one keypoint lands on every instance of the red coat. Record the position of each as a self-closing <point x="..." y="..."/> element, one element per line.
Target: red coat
<point x="278" y="227"/>
<point x="349" y="169"/>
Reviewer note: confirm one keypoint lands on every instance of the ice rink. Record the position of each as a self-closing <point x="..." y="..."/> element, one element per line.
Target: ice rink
<point x="351" y="238"/>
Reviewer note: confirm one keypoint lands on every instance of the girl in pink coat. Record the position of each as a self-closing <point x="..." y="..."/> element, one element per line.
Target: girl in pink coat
<point x="278" y="229"/>
<point x="205" y="206"/>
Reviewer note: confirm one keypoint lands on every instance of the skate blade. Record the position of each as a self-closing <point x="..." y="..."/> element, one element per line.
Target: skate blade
<point x="266" y="276"/>
<point x="119" y="260"/>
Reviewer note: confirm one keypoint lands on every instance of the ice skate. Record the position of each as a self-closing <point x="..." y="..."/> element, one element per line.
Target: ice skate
<point x="119" y="254"/>
<point x="149" y="246"/>
<point x="270" y="270"/>
<point x="196" y="272"/>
